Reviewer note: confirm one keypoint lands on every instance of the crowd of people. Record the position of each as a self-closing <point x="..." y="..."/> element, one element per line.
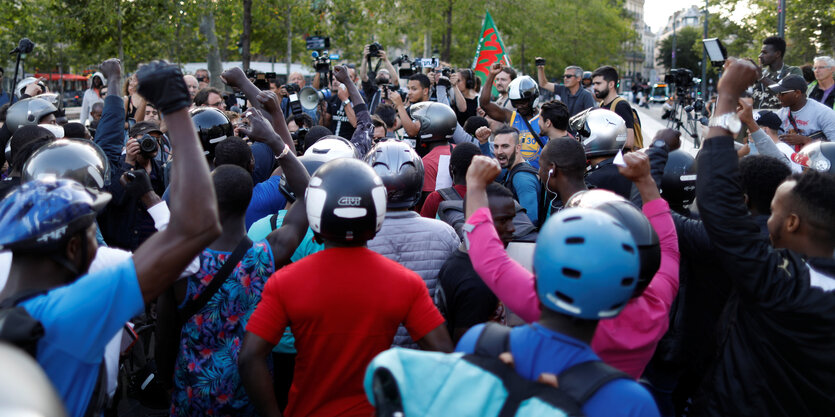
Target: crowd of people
<point x="190" y="250"/>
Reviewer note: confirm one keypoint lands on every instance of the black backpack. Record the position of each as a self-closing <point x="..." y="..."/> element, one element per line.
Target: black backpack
<point x="451" y="212"/>
<point x="20" y="329"/>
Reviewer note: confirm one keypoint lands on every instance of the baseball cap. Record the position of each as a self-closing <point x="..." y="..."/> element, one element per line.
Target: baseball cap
<point x="768" y="119"/>
<point x="141" y="128"/>
<point x="790" y="83"/>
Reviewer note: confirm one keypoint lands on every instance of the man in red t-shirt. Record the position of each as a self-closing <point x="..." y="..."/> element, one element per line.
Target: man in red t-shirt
<point x="343" y="304"/>
<point x="459" y="162"/>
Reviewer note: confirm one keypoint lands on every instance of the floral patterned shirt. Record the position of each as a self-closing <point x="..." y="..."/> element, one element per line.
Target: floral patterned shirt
<point x="206" y="379"/>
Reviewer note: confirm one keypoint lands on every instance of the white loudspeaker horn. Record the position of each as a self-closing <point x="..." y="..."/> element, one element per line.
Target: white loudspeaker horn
<point x="309" y="98"/>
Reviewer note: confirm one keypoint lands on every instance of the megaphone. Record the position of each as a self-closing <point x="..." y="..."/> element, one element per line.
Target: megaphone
<point x="309" y="97"/>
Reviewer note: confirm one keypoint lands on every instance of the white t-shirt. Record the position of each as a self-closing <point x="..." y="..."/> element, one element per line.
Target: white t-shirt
<point x="813" y="117"/>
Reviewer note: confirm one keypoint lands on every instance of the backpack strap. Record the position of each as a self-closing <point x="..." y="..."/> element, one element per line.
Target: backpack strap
<point x="449" y="194"/>
<point x="493" y="340"/>
<point x="273" y="221"/>
<point x="21" y="297"/>
<point x="582" y="381"/>
<point x="228" y="266"/>
<point x="98" y="401"/>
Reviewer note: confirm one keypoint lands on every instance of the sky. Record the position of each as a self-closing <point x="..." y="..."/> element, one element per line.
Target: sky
<point x="656" y="12"/>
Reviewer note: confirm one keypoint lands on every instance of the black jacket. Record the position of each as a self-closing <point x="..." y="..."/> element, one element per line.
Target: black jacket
<point x="776" y="354"/>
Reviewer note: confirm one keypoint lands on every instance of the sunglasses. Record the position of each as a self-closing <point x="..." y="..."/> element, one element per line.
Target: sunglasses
<point x="569" y="76"/>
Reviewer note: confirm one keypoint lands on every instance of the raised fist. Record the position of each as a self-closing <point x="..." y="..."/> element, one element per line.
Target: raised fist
<point x="233" y="77"/>
<point x="163" y="86"/>
<point x="111" y="68"/>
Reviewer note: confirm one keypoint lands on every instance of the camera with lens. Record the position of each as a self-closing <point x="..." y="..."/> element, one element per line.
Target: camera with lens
<point x="681" y="77"/>
<point x="148" y="144"/>
<point x="321" y="62"/>
<point x="298" y="138"/>
<point x="374" y="49"/>
<point x="446" y="71"/>
<point x="539" y="62"/>
<point x="291" y="88"/>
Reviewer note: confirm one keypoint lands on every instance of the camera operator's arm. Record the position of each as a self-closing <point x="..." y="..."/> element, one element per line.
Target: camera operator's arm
<point x="412" y="127"/>
<point x="364" y="65"/>
<point x="495" y="112"/>
<point x="540" y="77"/>
<point x="342" y="94"/>
<point x="194" y="216"/>
<point x="460" y="102"/>
<point x="364" y="127"/>
<point x="317" y="81"/>
<point x="263" y="100"/>
<point x="110" y="134"/>
<point x="285" y="239"/>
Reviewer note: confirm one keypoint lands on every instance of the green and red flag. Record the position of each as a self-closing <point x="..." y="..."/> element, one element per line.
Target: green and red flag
<point x="490" y="49"/>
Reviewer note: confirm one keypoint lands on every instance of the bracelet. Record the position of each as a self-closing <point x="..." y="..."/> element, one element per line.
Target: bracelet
<point x="283" y="153"/>
<point x="346" y="102"/>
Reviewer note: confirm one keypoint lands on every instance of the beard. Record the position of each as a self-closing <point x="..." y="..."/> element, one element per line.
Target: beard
<point x="510" y="160"/>
<point x="601" y="94"/>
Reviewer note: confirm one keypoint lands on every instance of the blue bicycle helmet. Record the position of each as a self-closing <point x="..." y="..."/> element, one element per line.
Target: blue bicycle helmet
<point x="41" y="215"/>
<point x="631" y="217"/>
<point x="586" y="264"/>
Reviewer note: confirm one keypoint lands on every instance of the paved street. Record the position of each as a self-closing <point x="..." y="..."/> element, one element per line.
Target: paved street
<point x="651" y="123"/>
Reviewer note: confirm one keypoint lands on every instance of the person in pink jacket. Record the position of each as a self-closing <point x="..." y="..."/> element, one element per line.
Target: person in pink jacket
<point x="626" y="342"/>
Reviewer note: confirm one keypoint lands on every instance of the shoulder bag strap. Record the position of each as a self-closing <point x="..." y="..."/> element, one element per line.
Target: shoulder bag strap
<point x="228" y="266"/>
<point x="530" y="129"/>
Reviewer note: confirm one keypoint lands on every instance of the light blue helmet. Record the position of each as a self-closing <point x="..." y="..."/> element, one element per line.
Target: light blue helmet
<point x="586" y="264"/>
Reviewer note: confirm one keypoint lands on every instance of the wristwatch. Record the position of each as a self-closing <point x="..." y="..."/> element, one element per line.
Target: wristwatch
<point x="728" y="121"/>
<point x="346" y="102"/>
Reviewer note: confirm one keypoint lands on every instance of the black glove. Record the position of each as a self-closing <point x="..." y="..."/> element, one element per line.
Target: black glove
<point x="163" y="86"/>
<point x="444" y="81"/>
<point x="137" y="182"/>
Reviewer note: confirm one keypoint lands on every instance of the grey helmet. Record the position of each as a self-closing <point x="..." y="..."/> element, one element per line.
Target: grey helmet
<point x="401" y="169"/>
<point x="523" y="88"/>
<point x="72" y="159"/>
<point x="28" y="111"/>
<point x="602" y="132"/>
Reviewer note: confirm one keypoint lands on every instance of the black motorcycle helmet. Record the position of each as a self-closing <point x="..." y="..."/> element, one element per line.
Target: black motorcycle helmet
<point x="72" y="159"/>
<point x="678" y="185"/>
<point x="346" y="202"/>
<point x="401" y="169"/>
<point x="437" y="123"/>
<point x="649" y="247"/>
<point x="212" y="127"/>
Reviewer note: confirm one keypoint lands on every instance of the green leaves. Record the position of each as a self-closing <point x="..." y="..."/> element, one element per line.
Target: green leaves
<point x="80" y="34"/>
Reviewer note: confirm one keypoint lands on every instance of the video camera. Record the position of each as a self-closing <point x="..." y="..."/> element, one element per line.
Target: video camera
<point x="681" y="77"/>
<point x="415" y="65"/>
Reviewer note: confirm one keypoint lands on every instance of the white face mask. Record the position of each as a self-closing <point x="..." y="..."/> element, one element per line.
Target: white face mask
<point x="56" y="130"/>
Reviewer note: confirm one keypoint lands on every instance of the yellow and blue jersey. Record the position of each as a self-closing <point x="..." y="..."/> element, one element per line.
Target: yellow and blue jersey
<point x="530" y="147"/>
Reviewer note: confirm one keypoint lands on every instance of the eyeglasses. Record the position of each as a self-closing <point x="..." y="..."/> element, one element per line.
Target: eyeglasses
<point x="217" y="104"/>
<point x="820" y="68"/>
<point x="569" y="76"/>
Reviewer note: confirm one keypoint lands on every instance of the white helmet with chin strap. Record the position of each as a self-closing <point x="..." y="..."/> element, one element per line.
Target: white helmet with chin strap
<point x="523" y="88"/>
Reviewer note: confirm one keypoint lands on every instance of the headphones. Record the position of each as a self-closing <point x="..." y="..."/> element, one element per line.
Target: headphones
<point x="470" y="83"/>
<point x="550" y="172"/>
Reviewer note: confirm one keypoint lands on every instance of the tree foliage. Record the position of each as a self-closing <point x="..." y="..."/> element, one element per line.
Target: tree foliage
<point x="79" y="34"/>
<point x="688" y="50"/>
<point x="809" y="31"/>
